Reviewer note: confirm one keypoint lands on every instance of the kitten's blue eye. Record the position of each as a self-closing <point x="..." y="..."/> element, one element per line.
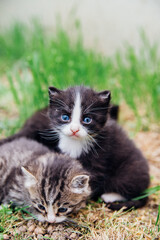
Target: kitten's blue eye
<point x="65" y="118"/>
<point x="87" y="120"/>
<point x="62" y="209"/>
<point x="40" y="206"/>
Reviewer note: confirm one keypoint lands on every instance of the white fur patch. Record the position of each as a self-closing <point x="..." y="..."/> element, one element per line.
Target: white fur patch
<point x="51" y="216"/>
<point x="71" y="146"/>
<point x="112" y="197"/>
<point x="40" y="217"/>
<point x="60" y="219"/>
<point x="74" y="145"/>
<point x="76" y="114"/>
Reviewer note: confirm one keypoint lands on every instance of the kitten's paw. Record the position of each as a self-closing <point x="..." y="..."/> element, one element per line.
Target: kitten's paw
<point x="112" y="197"/>
<point x="128" y="205"/>
<point x="115" y="206"/>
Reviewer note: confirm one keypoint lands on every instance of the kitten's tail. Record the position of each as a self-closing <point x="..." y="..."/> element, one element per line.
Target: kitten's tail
<point x="128" y="205"/>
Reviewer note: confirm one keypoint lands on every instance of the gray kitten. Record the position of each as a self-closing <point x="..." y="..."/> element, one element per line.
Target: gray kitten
<point x="52" y="185"/>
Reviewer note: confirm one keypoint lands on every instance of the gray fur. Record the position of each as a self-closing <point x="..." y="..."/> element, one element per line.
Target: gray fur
<point x="30" y="175"/>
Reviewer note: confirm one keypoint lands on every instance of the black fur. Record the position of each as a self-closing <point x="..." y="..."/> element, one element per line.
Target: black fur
<point x="115" y="164"/>
<point x="39" y="123"/>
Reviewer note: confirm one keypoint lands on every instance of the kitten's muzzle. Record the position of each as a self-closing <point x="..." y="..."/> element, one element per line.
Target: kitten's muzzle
<point x="74" y="131"/>
<point x="51" y="219"/>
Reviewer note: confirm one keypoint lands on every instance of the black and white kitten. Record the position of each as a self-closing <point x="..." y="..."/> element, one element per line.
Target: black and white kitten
<point x="79" y="127"/>
<point x="78" y="118"/>
<point x="51" y="185"/>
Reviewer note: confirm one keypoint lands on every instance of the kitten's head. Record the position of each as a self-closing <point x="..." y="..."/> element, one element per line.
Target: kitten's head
<point x="77" y="115"/>
<point x="57" y="185"/>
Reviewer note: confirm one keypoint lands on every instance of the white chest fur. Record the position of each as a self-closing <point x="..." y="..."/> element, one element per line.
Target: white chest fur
<point x="70" y="146"/>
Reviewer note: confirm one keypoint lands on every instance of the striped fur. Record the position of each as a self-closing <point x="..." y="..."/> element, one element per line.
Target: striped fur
<point x="118" y="169"/>
<point x="52" y="185"/>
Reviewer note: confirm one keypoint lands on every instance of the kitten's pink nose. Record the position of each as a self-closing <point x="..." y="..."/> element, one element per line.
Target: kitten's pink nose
<point x="74" y="131"/>
<point x="51" y="221"/>
<point x="51" y="218"/>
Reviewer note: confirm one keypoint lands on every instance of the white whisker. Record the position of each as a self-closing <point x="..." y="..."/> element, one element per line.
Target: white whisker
<point x="61" y="103"/>
<point x="89" y="106"/>
<point x="95" y="142"/>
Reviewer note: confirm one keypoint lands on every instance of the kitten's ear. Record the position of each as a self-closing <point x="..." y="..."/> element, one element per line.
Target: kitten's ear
<point x="30" y="180"/>
<point x="80" y="184"/>
<point x="105" y="95"/>
<point x="53" y="91"/>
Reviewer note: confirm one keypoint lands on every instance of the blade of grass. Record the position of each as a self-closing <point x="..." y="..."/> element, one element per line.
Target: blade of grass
<point x="147" y="193"/>
<point x="158" y="219"/>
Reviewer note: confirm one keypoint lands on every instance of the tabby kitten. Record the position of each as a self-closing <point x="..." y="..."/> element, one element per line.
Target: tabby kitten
<point x="80" y="126"/>
<point x="51" y="185"/>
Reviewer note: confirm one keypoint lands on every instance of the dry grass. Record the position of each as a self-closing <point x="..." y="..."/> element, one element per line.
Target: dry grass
<point x="93" y="222"/>
<point x="96" y="221"/>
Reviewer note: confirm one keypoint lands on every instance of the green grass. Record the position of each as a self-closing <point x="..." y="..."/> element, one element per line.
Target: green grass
<point x="148" y="192"/>
<point x="8" y="218"/>
<point x="94" y="222"/>
<point x="33" y="61"/>
<point x="158" y="219"/>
